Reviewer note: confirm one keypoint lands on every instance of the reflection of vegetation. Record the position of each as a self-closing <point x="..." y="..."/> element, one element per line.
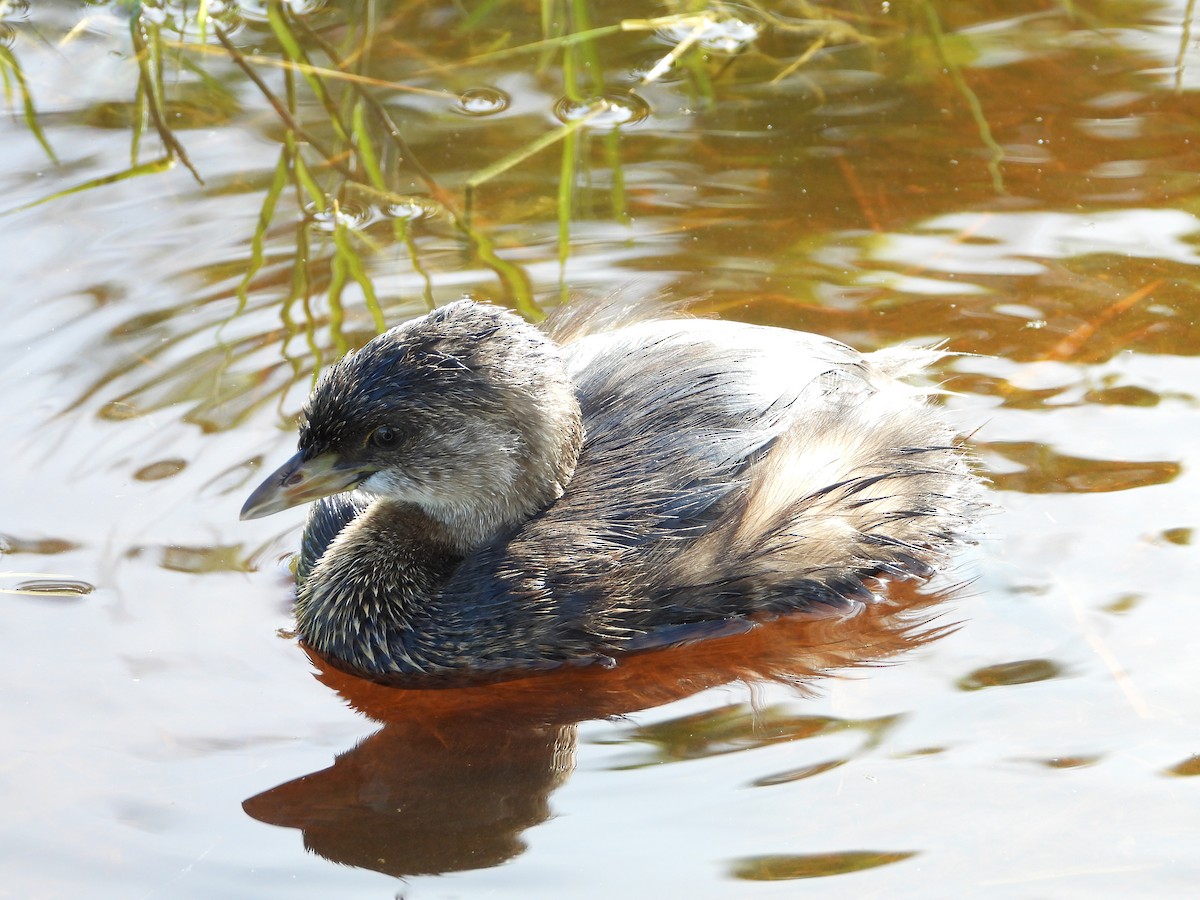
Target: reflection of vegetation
<point x="15" y="84"/>
<point x="996" y="152"/>
<point x="150" y="103"/>
<point x="382" y="145"/>
<point x="1045" y="471"/>
<point x="740" y="727"/>
<point x="149" y="106"/>
<point x="354" y="154"/>
<point x="788" y="867"/>
<point x="1025" y="671"/>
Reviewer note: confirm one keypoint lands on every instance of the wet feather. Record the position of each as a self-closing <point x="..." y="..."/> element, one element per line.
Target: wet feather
<point x="650" y="481"/>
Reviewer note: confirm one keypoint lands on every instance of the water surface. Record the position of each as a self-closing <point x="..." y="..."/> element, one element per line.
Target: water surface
<point x="1019" y="180"/>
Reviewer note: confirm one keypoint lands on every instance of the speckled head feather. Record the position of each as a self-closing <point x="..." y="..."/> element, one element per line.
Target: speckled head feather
<point x="452" y="356"/>
<point x="483" y="422"/>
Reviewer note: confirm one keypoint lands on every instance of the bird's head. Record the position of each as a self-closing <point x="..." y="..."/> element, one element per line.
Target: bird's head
<point x="466" y="412"/>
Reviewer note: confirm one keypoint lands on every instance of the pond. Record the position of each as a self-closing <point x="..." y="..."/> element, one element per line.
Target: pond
<point x="204" y="204"/>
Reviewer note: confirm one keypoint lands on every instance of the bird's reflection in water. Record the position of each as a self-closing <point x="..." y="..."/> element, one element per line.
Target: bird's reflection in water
<point x="455" y="776"/>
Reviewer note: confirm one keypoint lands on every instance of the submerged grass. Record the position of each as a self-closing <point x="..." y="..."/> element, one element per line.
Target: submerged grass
<point x="343" y="145"/>
<point x="148" y="47"/>
<point x="995" y="151"/>
<point x="12" y="76"/>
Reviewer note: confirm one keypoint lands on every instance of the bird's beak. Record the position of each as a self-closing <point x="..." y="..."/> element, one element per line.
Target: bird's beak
<point x="301" y="480"/>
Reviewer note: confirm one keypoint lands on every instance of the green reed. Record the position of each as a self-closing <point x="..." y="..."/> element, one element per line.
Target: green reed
<point x="343" y="146"/>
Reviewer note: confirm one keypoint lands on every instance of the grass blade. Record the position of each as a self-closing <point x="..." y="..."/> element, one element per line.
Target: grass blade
<point x="12" y="69"/>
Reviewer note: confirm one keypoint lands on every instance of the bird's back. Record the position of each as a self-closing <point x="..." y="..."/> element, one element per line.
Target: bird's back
<point x="726" y="469"/>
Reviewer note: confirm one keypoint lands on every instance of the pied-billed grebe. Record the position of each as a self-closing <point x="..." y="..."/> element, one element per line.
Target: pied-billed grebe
<point x="488" y="500"/>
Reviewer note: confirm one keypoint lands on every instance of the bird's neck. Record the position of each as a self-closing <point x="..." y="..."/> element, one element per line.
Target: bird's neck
<point x="365" y="601"/>
<point x="527" y="468"/>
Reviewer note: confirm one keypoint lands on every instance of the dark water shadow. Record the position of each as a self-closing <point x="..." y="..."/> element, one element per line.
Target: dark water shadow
<point x="455" y="776"/>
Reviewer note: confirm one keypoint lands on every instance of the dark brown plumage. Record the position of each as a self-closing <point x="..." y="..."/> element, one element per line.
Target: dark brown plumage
<point x="489" y="501"/>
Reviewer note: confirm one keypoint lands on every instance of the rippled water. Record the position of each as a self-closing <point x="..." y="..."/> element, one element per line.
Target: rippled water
<point x="1018" y="179"/>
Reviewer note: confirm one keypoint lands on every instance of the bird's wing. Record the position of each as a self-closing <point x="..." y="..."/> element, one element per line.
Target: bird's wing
<point x="677" y="414"/>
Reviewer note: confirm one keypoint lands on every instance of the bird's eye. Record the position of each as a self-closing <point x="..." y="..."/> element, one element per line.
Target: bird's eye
<point x="385" y="437"/>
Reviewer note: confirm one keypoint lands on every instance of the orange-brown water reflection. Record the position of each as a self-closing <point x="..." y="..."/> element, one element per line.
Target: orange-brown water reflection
<point x="456" y="775"/>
